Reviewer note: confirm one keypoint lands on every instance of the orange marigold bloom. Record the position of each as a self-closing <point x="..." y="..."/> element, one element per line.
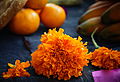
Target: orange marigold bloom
<point x="60" y="55"/>
<point x="106" y="58"/>
<point x="17" y="70"/>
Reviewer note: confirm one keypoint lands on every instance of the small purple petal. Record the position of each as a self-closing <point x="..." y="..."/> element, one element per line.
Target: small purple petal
<point x="106" y="75"/>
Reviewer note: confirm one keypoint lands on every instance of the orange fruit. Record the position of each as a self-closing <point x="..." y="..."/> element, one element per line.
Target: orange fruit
<point x="25" y="22"/>
<point x="52" y="15"/>
<point x="38" y="11"/>
<point x="36" y="4"/>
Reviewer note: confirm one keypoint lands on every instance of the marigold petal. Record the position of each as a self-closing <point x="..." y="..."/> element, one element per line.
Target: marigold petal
<point x="17" y="62"/>
<point x="11" y="65"/>
<point x="17" y="70"/>
<point x="25" y="64"/>
<point x="106" y="58"/>
<point x="60" y="55"/>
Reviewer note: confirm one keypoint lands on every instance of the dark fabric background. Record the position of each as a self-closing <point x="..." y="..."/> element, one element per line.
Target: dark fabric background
<point x="12" y="47"/>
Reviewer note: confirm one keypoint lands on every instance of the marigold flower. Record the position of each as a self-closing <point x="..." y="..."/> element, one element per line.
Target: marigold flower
<point x="17" y="70"/>
<point x="106" y="58"/>
<point x="60" y="55"/>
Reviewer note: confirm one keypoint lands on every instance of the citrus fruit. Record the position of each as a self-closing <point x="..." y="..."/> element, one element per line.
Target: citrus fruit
<point x="52" y="15"/>
<point x="25" y="22"/>
<point x="36" y="4"/>
<point x="37" y="11"/>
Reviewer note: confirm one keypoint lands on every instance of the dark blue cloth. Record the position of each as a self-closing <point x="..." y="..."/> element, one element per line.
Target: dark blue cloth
<point x="12" y="47"/>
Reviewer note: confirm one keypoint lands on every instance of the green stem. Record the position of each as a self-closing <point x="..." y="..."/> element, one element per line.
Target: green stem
<point x="93" y="40"/>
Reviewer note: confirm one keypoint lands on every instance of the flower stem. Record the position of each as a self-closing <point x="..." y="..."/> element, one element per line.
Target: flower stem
<point x="93" y="40"/>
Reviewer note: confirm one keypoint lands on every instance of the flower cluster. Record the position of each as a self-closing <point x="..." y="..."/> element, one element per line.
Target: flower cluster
<point x="60" y="55"/>
<point x="17" y="70"/>
<point x="106" y="58"/>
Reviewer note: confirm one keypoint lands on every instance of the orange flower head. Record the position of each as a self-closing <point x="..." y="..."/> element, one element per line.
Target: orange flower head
<point x="17" y="70"/>
<point x="60" y="55"/>
<point x="106" y="58"/>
